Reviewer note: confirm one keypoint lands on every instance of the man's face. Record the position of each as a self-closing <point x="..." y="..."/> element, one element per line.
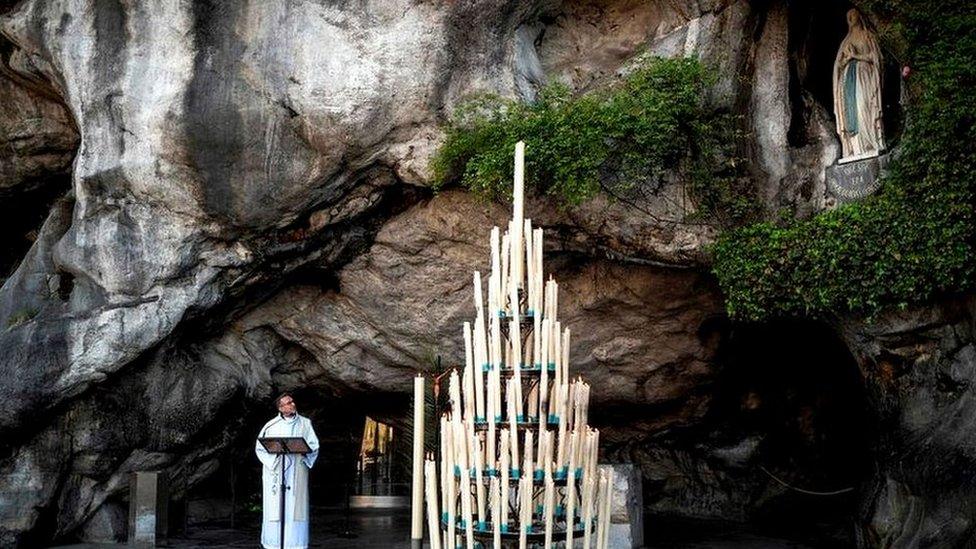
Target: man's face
<point x="287" y="406"/>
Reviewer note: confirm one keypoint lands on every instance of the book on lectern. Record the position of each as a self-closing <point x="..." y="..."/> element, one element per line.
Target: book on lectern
<point x="285" y="445"/>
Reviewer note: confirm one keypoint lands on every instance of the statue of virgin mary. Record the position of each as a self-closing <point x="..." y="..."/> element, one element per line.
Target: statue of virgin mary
<point x="857" y="92"/>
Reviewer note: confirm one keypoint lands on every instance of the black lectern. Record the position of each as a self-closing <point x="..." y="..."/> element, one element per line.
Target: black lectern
<point x="283" y="446"/>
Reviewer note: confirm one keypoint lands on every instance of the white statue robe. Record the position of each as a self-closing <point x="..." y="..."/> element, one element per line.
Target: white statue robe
<point x="857" y="93"/>
<point x="296" y="481"/>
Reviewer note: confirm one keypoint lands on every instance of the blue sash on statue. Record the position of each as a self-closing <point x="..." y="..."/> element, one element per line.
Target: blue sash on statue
<point x="850" y="98"/>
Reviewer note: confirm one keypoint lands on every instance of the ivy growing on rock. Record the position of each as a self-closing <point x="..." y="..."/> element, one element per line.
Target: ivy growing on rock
<point x="914" y="240"/>
<point x="650" y="128"/>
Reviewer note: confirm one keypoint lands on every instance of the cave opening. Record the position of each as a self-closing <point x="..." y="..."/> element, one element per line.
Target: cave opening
<point x="361" y="478"/>
<point x="797" y="384"/>
<point x="793" y="389"/>
<point x="24" y="214"/>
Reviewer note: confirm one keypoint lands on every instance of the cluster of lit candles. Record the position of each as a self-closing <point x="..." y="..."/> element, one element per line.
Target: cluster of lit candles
<point x="517" y="459"/>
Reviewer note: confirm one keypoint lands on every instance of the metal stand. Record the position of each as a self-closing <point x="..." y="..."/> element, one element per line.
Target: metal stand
<point x="280" y="446"/>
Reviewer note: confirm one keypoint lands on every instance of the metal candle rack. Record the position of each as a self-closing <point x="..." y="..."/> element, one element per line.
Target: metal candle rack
<point x="517" y="464"/>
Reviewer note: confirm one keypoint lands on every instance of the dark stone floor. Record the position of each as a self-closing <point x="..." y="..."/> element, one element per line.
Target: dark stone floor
<point x="391" y="529"/>
<point x="376" y="528"/>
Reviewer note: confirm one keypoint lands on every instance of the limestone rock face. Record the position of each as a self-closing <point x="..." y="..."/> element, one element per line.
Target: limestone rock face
<point x="920" y="366"/>
<point x="400" y="302"/>
<point x="244" y="207"/>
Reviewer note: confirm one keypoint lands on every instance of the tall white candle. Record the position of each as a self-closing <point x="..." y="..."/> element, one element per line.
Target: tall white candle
<point x="555" y="298"/>
<point x="417" y="525"/>
<point x="548" y="299"/>
<point x="537" y="339"/>
<point x="571" y="489"/>
<point x="570" y="406"/>
<point x="465" y="482"/>
<point x="561" y="445"/>
<point x="494" y="342"/>
<point x="537" y="249"/>
<point x="550" y="449"/>
<point x="513" y="266"/>
<point x="605" y="512"/>
<point x="467" y="515"/>
<point x="529" y="266"/>
<point x="478" y="369"/>
<point x="495" y="513"/>
<point x="516" y="362"/>
<point x="504" y="472"/>
<point x="451" y="497"/>
<point x="468" y="389"/>
<point x="492" y="297"/>
<point x="495" y="263"/>
<point x="519" y="197"/>
<point x="472" y="444"/>
<point x="479" y="305"/>
<point x="454" y="390"/>
<point x="443" y="464"/>
<point x="504" y="273"/>
<point x="490" y="457"/>
<point x="532" y="409"/>
<point x="497" y="374"/>
<point x="540" y="451"/>
<point x="588" y="487"/>
<point x="544" y="376"/>
<point x="565" y="353"/>
<point x="433" y="516"/>
<point x="585" y="402"/>
<point x="548" y="506"/>
<point x="512" y="422"/>
<point x="490" y="411"/>
<point x="555" y="340"/>
<point x="525" y="510"/>
<point x="479" y="483"/>
<point x="595" y="449"/>
<point x="600" y="522"/>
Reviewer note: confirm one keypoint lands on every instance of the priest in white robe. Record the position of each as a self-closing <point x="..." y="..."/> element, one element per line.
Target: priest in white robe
<point x="288" y="423"/>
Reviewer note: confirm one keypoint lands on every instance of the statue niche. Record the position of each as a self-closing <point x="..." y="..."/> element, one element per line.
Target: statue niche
<point x="857" y="92"/>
